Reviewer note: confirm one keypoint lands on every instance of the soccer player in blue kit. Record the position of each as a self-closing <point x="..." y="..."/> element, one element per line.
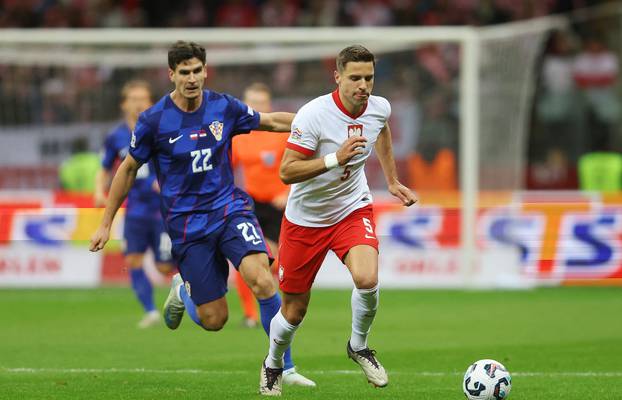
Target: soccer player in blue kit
<point x="143" y="227"/>
<point x="188" y="136"/>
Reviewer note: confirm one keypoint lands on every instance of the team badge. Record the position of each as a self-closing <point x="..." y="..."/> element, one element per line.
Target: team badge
<point x="187" y="286"/>
<point x="355" y="130"/>
<point x="216" y="129"/>
<point x="133" y="140"/>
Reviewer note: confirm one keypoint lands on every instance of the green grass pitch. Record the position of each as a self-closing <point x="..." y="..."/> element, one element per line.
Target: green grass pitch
<point x="558" y="343"/>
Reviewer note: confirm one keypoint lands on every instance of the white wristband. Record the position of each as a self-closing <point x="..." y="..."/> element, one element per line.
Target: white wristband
<point x="330" y="161"/>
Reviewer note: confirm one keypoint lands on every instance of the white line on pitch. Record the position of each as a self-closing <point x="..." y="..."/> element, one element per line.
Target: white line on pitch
<point x="609" y="374"/>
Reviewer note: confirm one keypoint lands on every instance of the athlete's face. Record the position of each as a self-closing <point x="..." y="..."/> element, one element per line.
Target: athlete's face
<point x="356" y="82"/>
<point x="189" y="77"/>
<point x="258" y="100"/>
<point x="137" y="100"/>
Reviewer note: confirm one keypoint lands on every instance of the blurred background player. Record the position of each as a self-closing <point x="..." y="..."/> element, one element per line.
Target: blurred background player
<point x="257" y="157"/>
<point x="143" y="227"/>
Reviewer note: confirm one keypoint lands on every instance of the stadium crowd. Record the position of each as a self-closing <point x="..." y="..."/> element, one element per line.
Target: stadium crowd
<point x="256" y="13"/>
<point x="571" y="98"/>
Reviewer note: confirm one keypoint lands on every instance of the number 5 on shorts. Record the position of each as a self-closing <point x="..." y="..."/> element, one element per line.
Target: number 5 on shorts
<point x="369" y="228"/>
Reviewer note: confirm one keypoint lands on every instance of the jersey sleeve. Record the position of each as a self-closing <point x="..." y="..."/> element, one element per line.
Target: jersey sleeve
<point x="245" y="119"/>
<point x="304" y="137"/>
<point x="109" y="153"/>
<point x="386" y="106"/>
<point x="142" y="142"/>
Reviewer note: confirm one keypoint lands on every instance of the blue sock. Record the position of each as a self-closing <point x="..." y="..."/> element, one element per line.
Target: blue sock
<point x="268" y="309"/>
<point x="142" y="288"/>
<point x="191" y="309"/>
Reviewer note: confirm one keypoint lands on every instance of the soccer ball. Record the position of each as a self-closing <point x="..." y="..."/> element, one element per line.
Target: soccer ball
<point x="487" y="380"/>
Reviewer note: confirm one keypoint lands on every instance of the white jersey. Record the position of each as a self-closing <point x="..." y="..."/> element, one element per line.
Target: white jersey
<point x="319" y="128"/>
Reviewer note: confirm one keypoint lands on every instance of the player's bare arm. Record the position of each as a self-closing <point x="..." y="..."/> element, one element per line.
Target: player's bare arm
<point x="384" y="151"/>
<point x="276" y="121"/>
<point x="102" y="181"/>
<point x="297" y="167"/>
<point x="121" y="184"/>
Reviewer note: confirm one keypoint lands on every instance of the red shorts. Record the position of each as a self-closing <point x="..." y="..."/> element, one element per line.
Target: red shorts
<point x="302" y="249"/>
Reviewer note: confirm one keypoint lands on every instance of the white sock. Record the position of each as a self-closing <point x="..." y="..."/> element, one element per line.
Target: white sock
<point x="364" y="306"/>
<point x="281" y="336"/>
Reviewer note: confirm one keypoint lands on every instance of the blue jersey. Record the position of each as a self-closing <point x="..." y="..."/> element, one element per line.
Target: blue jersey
<point x="191" y="153"/>
<point x="143" y="200"/>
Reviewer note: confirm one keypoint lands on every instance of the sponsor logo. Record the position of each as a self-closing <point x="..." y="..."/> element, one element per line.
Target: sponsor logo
<point x="216" y="129"/>
<point x="355" y="130"/>
<point x="173" y="140"/>
<point x="281" y="272"/>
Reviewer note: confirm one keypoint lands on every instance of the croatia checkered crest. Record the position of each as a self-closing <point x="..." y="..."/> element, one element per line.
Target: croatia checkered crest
<point x="487" y="380"/>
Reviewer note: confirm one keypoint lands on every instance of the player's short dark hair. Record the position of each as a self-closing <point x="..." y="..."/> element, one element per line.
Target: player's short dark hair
<point x="181" y="51"/>
<point x="354" y="53"/>
<point x="135" y="83"/>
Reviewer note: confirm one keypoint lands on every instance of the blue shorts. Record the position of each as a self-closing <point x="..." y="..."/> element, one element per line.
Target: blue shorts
<point x="141" y="234"/>
<point x="203" y="263"/>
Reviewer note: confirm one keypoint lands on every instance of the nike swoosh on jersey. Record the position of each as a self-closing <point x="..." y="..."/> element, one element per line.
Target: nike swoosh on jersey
<point x="173" y="140"/>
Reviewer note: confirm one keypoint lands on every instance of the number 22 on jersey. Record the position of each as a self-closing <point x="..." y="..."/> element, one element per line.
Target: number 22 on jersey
<point x="200" y="160"/>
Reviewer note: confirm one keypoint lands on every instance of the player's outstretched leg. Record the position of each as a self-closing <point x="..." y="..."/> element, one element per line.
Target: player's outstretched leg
<point x="366" y="359"/>
<point x="173" y="310"/>
<point x="270" y="380"/>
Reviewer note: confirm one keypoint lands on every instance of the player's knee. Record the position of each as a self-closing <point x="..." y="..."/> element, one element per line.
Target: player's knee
<point x="294" y="314"/>
<point x="262" y="285"/>
<point x="134" y="261"/>
<point x="365" y="281"/>
<point x="214" y="322"/>
<point x="164" y="268"/>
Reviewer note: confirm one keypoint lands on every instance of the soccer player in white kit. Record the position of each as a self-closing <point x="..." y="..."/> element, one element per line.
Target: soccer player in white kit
<point x="329" y="208"/>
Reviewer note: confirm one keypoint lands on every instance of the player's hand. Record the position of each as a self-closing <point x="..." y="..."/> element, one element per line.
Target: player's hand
<point x="99" y="239"/>
<point x="406" y="195"/>
<point x="355" y="145"/>
<point x="99" y="199"/>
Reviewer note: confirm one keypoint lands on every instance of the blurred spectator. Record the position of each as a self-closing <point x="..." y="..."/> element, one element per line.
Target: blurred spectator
<point x="433" y="165"/>
<point x="320" y="13"/>
<point x="279" y="13"/>
<point x="595" y="73"/>
<point x="237" y="13"/>
<point x="559" y="111"/>
<point x="601" y="171"/>
<point x="368" y="13"/>
<point x="554" y="172"/>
